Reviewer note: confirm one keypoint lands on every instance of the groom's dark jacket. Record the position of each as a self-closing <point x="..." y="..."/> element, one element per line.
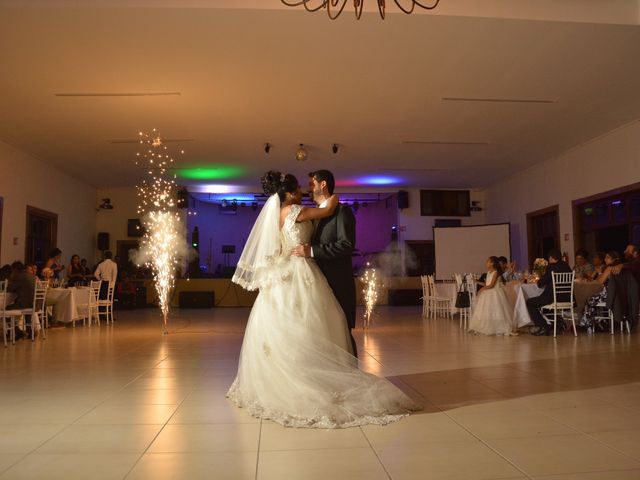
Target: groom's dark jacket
<point x="333" y="242"/>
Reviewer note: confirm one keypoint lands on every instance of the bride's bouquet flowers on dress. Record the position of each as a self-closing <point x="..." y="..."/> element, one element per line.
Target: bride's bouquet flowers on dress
<point x="164" y="243"/>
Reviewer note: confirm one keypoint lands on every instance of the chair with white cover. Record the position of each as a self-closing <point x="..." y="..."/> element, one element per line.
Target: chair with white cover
<point x="439" y="305"/>
<point x="107" y="304"/>
<point x="8" y="316"/>
<point x="38" y="309"/>
<point x="562" y="288"/>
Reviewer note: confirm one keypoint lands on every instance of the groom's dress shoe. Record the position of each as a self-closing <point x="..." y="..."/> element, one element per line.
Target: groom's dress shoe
<point x="541" y="331"/>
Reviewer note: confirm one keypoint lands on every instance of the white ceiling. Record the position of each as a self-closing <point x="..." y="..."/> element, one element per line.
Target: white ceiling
<point x="247" y="76"/>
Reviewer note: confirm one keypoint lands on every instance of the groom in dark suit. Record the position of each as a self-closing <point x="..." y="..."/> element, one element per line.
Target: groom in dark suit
<point x="332" y="245"/>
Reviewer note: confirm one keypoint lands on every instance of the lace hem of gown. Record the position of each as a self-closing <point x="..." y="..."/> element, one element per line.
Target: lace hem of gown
<point x="321" y="421"/>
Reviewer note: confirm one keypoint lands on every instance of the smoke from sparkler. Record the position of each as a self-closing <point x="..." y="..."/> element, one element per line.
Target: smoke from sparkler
<point x="164" y="243"/>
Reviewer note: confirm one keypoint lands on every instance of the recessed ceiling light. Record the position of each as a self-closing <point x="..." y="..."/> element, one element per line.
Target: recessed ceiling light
<point x="497" y="100"/>
<point x="114" y="94"/>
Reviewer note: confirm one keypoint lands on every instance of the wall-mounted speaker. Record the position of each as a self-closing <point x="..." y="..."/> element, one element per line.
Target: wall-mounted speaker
<point x="403" y="199"/>
<point x="103" y="241"/>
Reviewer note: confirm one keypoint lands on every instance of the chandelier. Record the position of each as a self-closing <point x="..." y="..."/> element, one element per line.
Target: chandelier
<point x="335" y="7"/>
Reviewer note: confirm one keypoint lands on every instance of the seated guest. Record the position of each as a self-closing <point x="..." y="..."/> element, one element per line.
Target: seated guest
<point x="507" y="268"/>
<point x="5" y="272"/>
<point x="31" y="268"/>
<point x="623" y="291"/>
<point x="591" y="308"/>
<point x="599" y="265"/>
<point x="107" y="271"/>
<point x="75" y="275"/>
<point x="23" y="284"/>
<point x="53" y="264"/>
<point x="546" y="297"/>
<point x="583" y="269"/>
<point x="86" y="271"/>
<point x="632" y="256"/>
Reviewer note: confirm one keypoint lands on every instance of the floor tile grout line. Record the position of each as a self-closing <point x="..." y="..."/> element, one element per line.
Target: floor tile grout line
<point x="154" y="438"/>
<point x="490" y="447"/>
<point x="2" y="472"/>
<point x="601" y="442"/>
<point x="258" y="454"/>
<point x="384" y="467"/>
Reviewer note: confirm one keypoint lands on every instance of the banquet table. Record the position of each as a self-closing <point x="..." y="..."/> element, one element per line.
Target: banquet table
<point x="519" y="293"/>
<point x="68" y="304"/>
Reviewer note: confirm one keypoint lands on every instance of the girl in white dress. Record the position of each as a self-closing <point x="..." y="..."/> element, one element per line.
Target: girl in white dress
<point x="296" y="366"/>
<point x="492" y="314"/>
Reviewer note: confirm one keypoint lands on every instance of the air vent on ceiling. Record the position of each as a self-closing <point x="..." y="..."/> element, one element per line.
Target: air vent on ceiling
<point x="391" y="170"/>
<point x="498" y="100"/>
<point x="116" y="94"/>
<point x="430" y="142"/>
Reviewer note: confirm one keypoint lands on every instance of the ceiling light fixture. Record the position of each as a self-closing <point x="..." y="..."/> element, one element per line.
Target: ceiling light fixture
<point x="335" y="7"/>
<point x="301" y="153"/>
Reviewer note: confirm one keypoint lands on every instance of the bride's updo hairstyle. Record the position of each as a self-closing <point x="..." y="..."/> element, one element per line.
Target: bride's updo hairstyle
<point x="274" y="182"/>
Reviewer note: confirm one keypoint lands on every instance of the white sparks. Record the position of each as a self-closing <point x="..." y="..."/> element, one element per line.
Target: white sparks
<point x="370" y="292"/>
<point x="164" y="242"/>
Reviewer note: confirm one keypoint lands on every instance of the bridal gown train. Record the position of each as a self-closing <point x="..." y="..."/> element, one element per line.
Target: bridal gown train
<point x="296" y="366"/>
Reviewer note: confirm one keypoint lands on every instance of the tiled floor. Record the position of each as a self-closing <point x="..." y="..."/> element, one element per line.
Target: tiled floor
<point x="128" y="402"/>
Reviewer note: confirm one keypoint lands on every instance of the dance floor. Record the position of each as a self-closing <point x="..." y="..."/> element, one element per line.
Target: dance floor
<point x="127" y="402"/>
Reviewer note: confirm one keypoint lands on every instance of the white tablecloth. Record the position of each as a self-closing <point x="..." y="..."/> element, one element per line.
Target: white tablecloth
<point x="523" y="292"/>
<point x="582" y="291"/>
<point x="68" y="303"/>
<point x="448" y="290"/>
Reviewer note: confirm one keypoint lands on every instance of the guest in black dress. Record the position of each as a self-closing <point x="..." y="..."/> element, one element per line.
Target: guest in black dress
<point x="75" y="274"/>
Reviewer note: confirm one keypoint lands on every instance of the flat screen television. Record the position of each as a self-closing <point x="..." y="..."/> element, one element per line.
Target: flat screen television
<point x="445" y="203"/>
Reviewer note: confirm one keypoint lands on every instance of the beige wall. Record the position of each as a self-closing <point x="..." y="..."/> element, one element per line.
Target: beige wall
<point x="114" y="222"/>
<point x="605" y="163"/>
<point x="25" y="180"/>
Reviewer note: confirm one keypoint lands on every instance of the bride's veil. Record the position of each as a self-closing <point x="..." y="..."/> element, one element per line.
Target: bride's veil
<point x="262" y="247"/>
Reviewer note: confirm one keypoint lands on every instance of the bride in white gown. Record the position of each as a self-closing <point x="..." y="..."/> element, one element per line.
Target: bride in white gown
<point x="296" y="366"/>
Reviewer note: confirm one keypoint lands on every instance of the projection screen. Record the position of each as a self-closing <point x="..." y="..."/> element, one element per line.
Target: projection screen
<point x="465" y="249"/>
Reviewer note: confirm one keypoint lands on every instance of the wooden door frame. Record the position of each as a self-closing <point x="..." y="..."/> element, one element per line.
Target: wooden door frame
<point x="1" y="212"/>
<point x="54" y="226"/>
<point x="554" y="208"/>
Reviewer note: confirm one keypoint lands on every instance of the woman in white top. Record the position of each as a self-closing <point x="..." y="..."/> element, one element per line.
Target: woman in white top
<point x="492" y="314"/>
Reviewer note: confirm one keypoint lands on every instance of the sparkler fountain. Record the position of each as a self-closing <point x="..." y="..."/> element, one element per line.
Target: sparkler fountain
<point x="370" y="292"/>
<point x="164" y="242"/>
